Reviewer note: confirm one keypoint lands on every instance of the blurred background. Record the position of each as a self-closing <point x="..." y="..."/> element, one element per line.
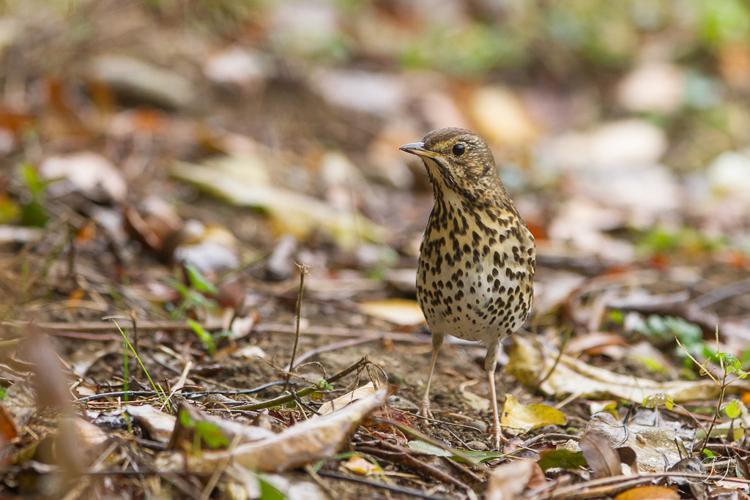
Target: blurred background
<point x="621" y="128"/>
<point x="240" y="137"/>
<point x="174" y="159"/>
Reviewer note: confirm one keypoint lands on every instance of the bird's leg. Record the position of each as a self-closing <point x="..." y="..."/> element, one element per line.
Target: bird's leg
<point x="490" y="363"/>
<point x="437" y="341"/>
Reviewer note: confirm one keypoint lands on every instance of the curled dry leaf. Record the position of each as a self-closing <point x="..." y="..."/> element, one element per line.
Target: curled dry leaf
<point x="158" y="424"/>
<point x="510" y="480"/>
<point x="518" y="418"/>
<point x="528" y="363"/>
<point x="301" y="444"/>
<point x="399" y="311"/>
<point x="600" y="455"/>
<point x="655" y="447"/>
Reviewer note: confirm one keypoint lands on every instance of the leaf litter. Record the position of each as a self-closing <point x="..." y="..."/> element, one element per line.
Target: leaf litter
<point x="171" y="184"/>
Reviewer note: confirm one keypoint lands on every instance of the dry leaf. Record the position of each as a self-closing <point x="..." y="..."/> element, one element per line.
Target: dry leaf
<point x="655" y="447"/>
<point x="301" y="444"/>
<point x="501" y="117"/>
<point x="600" y="455"/>
<point x="518" y="418"/>
<point x="649" y="493"/>
<point x="244" y="181"/>
<point x="572" y="376"/>
<point x="399" y="311"/>
<point x="90" y="174"/>
<point x="348" y="398"/>
<point x="510" y="480"/>
<point x="475" y="401"/>
<point x="158" y="424"/>
<point x="359" y="465"/>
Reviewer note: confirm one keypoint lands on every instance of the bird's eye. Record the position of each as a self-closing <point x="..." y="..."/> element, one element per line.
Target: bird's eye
<point x="459" y="148"/>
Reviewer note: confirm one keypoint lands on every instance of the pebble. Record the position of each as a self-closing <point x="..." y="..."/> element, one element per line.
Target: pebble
<point x="477" y="445"/>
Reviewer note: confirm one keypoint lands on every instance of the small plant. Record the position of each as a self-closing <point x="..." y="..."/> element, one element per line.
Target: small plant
<point x="32" y="210"/>
<point x="730" y="371"/>
<point x="129" y="347"/>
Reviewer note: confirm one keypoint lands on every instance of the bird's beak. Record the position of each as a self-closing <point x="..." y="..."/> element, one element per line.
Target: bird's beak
<point x="417" y="148"/>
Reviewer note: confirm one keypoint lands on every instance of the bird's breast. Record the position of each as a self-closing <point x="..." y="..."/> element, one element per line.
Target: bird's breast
<point x="475" y="272"/>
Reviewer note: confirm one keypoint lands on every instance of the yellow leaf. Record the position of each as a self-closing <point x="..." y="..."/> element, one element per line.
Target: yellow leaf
<point x="399" y="311"/>
<point x="648" y="492"/>
<point x="359" y="465"/>
<point x="519" y="418"/>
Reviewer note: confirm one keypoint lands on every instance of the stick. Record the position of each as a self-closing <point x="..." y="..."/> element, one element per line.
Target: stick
<point x="303" y="392"/>
<point x="298" y="312"/>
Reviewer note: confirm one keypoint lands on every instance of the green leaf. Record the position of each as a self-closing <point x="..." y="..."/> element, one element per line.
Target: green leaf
<point x="3" y="393"/>
<point x="199" y="281"/>
<point x="185" y="419"/>
<point x="324" y="385"/>
<point x="33" y="214"/>
<point x="206" y="339"/>
<point x="562" y="459"/>
<point x="211" y="434"/>
<point x="30" y="178"/>
<point x="269" y="491"/>
<point x="733" y="409"/>
<point x="428" y="448"/>
<point x="616" y="316"/>
<point x="708" y="453"/>
<point x="659" y="400"/>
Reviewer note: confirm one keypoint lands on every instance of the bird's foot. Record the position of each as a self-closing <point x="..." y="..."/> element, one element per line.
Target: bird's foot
<point x="498" y="439"/>
<point x="424" y="409"/>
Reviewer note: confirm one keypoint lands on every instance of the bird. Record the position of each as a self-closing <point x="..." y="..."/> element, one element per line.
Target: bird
<point x="477" y="258"/>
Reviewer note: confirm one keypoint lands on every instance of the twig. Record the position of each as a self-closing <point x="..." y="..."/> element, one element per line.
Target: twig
<point x="410" y="431"/>
<point x="190" y="394"/>
<point x="607" y="485"/>
<point x="560" y="352"/>
<point x="332" y="347"/>
<point x="303" y="392"/>
<point x="298" y="313"/>
<point x="390" y="487"/>
<point x="404" y="457"/>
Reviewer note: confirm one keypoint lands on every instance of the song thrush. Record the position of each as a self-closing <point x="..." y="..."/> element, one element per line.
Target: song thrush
<point x="476" y="263"/>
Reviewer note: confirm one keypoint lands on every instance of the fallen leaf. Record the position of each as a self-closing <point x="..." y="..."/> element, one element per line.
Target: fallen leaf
<point x="501" y="117"/>
<point x="365" y="91"/>
<point x="359" y="465"/>
<point x="649" y="493"/>
<point x="399" y="311"/>
<point x="652" y="87"/>
<point x="572" y="376"/>
<point x="518" y="418"/>
<point x="600" y="455"/>
<point x="476" y="402"/>
<point x="656" y="447"/>
<point x="138" y="79"/>
<point x="561" y="458"/>
<point x="348" y="398"/>
<point x="90" y="174"/>
<point x="301" y="444"/>
<point x="214" y="432"/>
<point x="244" y="181"/>
<point x="238" y="66"/>
<point x="508" y="481"/>
<point x="158" y="425"/>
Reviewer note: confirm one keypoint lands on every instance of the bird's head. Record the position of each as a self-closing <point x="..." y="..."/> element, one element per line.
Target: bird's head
<point x="457" y="159"/>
